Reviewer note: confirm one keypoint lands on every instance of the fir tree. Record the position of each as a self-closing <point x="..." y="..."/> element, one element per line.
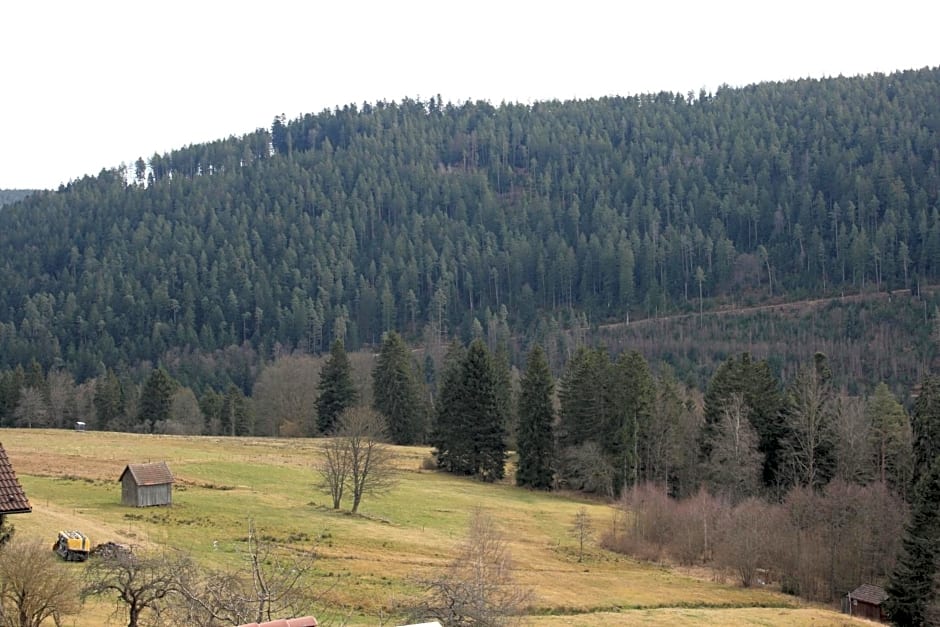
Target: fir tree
<point x="584" y="396"/>
<point x="628" y="429"/>
<point x="911" y="587"/>
<point x="337" y="391"/>
<point x="925" y="426"/>
<point x="470" y="437"/>
<point x="109" y="401"/>
<point x="484" y="419"/>
<point x="451" y="446"/>
<point x="535" y="437"/>
<point x="235" y="418"/>
<point x="155" y="399"/>
<point x="397" y="393"/>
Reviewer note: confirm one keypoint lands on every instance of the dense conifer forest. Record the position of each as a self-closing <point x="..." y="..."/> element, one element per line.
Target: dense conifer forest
<point x="445" y="220"/>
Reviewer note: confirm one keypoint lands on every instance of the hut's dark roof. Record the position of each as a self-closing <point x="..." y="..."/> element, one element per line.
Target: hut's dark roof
<point x="12" y="498"/>
<point x="154" y="473"/>
<point x="868" y="593"/>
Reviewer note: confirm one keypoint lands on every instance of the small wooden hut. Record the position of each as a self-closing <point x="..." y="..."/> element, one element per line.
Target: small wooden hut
<point x="866" y="601"/>
<point x="144" y="485"/>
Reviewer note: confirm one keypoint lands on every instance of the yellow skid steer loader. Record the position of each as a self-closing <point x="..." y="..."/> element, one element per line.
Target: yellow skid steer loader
<point x="72" y="546"/>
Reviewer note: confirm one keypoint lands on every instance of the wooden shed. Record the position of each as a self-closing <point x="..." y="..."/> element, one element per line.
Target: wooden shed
<point x="143" y="485"/>
<point x="12" y="497"/>
<point x="866" y="602"/>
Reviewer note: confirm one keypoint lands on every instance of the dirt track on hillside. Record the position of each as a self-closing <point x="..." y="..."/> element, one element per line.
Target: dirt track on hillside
<point x="784" y="306"/>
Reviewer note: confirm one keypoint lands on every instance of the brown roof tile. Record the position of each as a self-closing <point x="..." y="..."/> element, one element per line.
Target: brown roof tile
<point x="154" y="473"/>
<point x="12" y="498"/>
<point x="868" y="593"/>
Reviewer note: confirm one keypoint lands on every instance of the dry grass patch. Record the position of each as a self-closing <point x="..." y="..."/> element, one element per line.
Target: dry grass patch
<point x="769" y="617"/>
<point x="367" y="562"/>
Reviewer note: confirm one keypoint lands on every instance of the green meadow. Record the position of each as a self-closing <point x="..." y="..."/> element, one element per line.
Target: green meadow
<point x="367" y="563"/>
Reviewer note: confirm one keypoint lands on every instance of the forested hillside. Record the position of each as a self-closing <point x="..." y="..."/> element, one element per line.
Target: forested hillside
<point x="451" y="220"/>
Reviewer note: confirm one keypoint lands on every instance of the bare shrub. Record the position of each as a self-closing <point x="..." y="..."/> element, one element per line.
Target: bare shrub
<point x="478" y="587"/>
<point x="644" y="526"/>
<point x="34" y="586"/>
<point x="696" y="526"/>
<point x="743" y="545"/>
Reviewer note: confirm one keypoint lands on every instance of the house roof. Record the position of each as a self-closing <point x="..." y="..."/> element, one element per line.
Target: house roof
<point x="868" y="593"/>
<point x="154" y="473"/>
<point x="12" y="498"/>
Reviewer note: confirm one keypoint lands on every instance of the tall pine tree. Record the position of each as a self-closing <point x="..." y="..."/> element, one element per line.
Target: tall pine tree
<point x="451" y="447"/>
<point x="470" y="437"/>
<point x="535" y="437"/>
<point x="911" y="589"/>
<point x="155" y="399"/>
<point x="337" y="391"/>
<point x="397" y="393"/>
<point x="627" y="433"/>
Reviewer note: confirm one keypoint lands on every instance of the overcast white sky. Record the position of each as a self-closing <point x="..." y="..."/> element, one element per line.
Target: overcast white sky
<point x="88" y="85"/>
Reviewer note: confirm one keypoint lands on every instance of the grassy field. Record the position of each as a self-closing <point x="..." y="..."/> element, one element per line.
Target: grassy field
<point x="368" y="562"/>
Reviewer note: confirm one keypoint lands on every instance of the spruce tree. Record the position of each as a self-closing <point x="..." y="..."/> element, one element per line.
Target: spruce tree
<point x="108" y="401"/>
<point x="155" y="399"/>
<point x="585" y="398"/>
<point x="535" y="437"/>
<point x="451" y="446"/>
<point x="483" y="416"/>
<point x="627" y="431"/>
<point x="925" y="427"/>
<point x="336" y="388"/>
<point x="469" y="436"/>
<point x="235" y="416"/>
<point x="911" y="586"/>
<point x="397" y="393"/>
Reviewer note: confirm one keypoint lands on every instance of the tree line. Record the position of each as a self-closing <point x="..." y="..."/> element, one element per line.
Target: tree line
<point x="700" y="470"/>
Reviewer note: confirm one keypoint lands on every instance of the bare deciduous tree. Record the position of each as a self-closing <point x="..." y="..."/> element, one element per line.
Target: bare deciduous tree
<point x="284" y="397"/>
<point x="370" y="460"/>
<point x="62" y="398"/>
<point x="32" y="410"/>
<point x="185" y="415"/>
<point x="357" y="458"/>
<point x="333" y="468"/>
<point x="735" y="463"/>
<point x="744" y="546"/>
<point x="478" y="587"/>
<point x="809" y="448"/>
<point x="853" y="452"/>
<point x="139" y="582"/>
<point x="582" y="528"/>
<point x="34" y="586"/>
<point x="272" y="583"/>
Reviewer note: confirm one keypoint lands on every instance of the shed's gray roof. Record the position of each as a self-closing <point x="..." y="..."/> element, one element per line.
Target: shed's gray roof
<point x="868" y="593"/>
<point x="154" y="473"/>
<point x="12" y="498"/>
